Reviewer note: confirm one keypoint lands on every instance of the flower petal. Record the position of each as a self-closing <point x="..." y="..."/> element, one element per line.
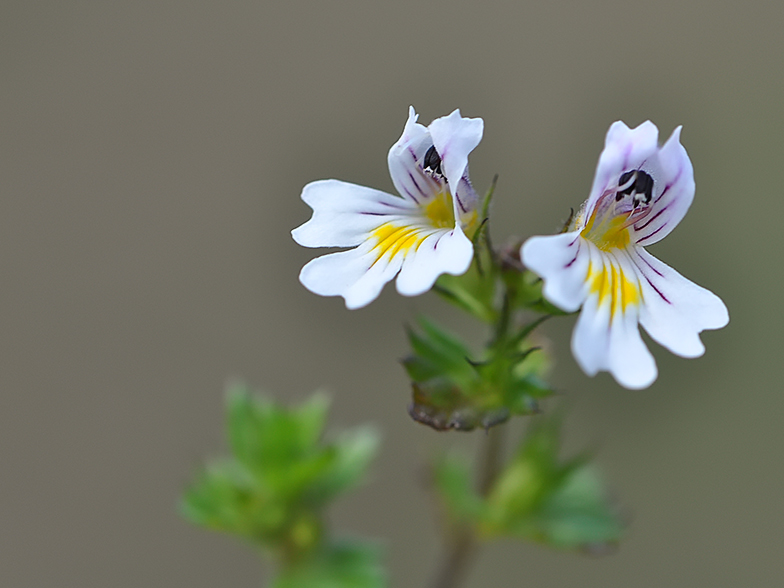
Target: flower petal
<point x="454" y="138"/>
<point x="624" y="149"/>
<point x="562" y="262"/>
<point x="344" y="214"/>
<point x="405" y="162"/>
<point x="357" y="275"/>
<point x="443" y="252"/>
<point x="606" y="337"/>
<point x="676" y="310"/>
<point x="673" y="193"/>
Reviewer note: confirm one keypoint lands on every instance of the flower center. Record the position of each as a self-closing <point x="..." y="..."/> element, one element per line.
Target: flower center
<point x="617" y="209"/>
<point x="439" y="211"/>
<point x="432" y="162"/>
<point x="636" y="184"/>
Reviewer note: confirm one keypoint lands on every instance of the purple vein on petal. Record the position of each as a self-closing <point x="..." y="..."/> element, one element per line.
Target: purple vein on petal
<point x="649" y="235"/>
<point x="575" y="255"/>
<point x="670" y="185"/>
<point x="646" y="262"/>
<point x="650" y="220"/>
<point x="659" y="292"/>
<point x="460" y="203"/>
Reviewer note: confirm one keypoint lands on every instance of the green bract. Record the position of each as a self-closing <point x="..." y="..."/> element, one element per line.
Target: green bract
<point x="454" y="390"/>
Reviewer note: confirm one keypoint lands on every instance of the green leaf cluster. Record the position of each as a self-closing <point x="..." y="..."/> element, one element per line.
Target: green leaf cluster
<point x="278" y="481"/>
<point x="453" y="391"/>
<point x="536" y="496"/>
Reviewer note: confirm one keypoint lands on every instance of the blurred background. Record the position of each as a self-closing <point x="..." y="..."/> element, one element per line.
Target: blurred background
<point x="151" y="160"/>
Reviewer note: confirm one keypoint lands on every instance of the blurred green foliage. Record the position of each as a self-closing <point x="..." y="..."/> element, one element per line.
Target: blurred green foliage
<point x="275" y="487"/>
<point x="535" y="496"/>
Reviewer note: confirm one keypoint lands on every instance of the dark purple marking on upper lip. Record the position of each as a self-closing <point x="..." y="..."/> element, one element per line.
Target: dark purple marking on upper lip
<point x="649" y="235"/>
<point x="418" y="187"/>
<point x="410" y="195"/>
<point x="660" y="196"/>
<point x="626" y="156"/>
<point x="650" y="220"/>
<point x="670" y="185"/>
<point x="460" y="203"/>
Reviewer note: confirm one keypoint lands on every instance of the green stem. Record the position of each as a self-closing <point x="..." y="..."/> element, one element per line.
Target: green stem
<point x="464" y="545"/>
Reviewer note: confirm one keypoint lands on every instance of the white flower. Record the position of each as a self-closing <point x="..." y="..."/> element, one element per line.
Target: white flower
<point x="639" y="194"/>
<point x="415" y="236"/>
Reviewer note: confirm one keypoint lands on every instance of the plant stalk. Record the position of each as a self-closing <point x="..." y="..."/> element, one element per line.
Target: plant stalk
<point x="464" y="545"/>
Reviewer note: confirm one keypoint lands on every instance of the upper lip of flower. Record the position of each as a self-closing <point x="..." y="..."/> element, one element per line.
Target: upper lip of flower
<point x="416" y="236"/>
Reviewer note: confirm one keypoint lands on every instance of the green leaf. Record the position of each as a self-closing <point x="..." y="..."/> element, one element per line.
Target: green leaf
<point x="227" y="498"/>
<point x="438" y="354"/>
<point x="539" y="497"/>
<point x="578" y="513"/>
<point x="527" y="289"/>
<point x="219" y="498"/>
<point x="282" y="474"/>
<point x="474" y="291"/>
<point x="266" y="437"/>
<point x="453" y="481"/>
<point x="341" y="565"/>
<point x="352" y="455"/>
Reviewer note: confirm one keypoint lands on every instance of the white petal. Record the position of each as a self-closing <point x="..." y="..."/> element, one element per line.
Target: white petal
<point x="444" y="252"/>
<point x="673" y="193"/>
<point x="465" y="202"/>
<point x="624" y="149"/>
<point x="344" y="214"/>
<point x="405" y="162"/>
<point x="562" y="262"/>
<point x="676" y="310"/>
<point x="454" y="138"/>
<point x="357" y="275"/>
<point x="607" y="340"/>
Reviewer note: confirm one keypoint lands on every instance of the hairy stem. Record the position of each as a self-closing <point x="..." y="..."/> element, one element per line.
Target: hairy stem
<point x="463" y="546"/>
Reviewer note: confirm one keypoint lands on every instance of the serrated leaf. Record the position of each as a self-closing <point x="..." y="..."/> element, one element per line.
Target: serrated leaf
<point x="438" y="354"/>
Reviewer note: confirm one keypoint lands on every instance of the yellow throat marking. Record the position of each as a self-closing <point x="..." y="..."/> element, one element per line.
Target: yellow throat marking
<point x="608" y="234"/>
<point x="612" y="285"/>
<point x="439" y="211"/>
<point x="392" y="239"/>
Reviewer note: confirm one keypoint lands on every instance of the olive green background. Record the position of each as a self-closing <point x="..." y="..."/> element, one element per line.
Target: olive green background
<point x="151" y="159"/>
